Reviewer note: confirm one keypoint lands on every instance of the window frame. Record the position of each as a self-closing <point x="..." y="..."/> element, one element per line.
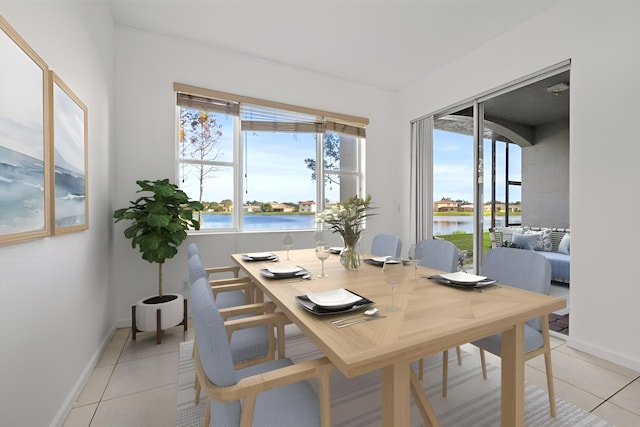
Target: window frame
<point x="325" y="122"/>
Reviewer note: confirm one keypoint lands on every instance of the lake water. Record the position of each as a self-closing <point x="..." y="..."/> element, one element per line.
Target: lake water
<point x="451" y="224"/>
<point x="266" y="222"/>
<point x="263" y="222"/>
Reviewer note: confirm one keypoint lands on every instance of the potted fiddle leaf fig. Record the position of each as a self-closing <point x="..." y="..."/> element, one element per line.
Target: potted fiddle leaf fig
<point x="159" y="222"/>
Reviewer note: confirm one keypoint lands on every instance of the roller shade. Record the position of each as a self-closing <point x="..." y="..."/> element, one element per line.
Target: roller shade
<point x="268" y="116"/>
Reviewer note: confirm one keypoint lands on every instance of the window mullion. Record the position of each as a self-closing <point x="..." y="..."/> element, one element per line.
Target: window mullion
<point x="238" y="160"/>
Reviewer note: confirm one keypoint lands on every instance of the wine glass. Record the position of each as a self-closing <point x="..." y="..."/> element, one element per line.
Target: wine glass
<point x="393" y="274"/>
<point x="287" y="242"/>
<point x="322" y="253"/>
<point x="415" y="256"/>
<point x="462" y="256"/>
<point x="318" y="235"/>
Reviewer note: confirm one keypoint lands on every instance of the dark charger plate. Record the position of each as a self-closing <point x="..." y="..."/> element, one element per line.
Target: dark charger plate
<point x="311" y="307"/>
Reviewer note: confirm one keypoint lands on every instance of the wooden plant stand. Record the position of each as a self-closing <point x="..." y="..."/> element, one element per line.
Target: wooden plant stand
<point x="159" y="331"/>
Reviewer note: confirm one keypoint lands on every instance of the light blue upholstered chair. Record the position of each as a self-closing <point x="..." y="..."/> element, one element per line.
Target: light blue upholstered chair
<point x="192" y="249"/>
<point x="226" y="289"/>
<point x="229" y="298"/>
<point x="528" y="270"/>
<point x="386" y="245"/>
<point x="441" y="255"/>
<point x="251" y="327"/>
<point x="273" y="393"/>
<point x="250" y="344"/>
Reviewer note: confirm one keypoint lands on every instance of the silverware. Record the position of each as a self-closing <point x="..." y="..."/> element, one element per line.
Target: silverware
<point x="297" y="279"/>
<point x="367" y="319"/>
<point x="370" y="312"/>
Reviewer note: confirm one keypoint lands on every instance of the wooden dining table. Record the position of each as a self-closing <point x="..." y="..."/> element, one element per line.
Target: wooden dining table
<point x="433" y="318"/>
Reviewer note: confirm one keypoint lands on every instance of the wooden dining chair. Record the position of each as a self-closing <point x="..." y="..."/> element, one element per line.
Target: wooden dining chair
<point x="229" y="288"/>
<point x="250" y="326"/>
<point x="524" y="269"/>
<point x="386" y="245"/>
<point x="440" y="255"/>
<point x="273" y="393"/>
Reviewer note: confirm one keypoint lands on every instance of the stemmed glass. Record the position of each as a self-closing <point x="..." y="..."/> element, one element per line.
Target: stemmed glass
<point x="393" y="274"/>
<point x="287" y="242"/>
<point x="318" y="235"/>
<point x="322" y="253"/>
<point x="462" y="256"/>
<point x="415" y="256"/>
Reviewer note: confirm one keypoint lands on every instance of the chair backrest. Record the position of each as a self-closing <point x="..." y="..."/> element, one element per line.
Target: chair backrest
<point x="386" y="245"/>
<point x="196" y="269"/>
<point x="192" y="249"/>
<point x="520" y="268"/>
<point x="439" y="254"/>
<point x="214" y="350"/>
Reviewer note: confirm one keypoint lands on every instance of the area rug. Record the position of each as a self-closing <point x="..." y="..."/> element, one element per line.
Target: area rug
<point x="559" y="323"/>
<point x="355" y="402"/>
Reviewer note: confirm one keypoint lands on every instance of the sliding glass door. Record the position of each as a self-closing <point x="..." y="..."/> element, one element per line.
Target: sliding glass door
<point x="499" y="160"/>
<point x="453" y="182"/>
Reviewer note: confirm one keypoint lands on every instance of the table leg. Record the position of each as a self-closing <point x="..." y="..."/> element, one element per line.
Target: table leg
<point x="513" y="376"/>
<point x="428" y="414"/>
<point x="395" y="395"/>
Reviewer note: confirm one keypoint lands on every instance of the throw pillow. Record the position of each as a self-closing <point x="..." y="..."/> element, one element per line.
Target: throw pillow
<point x="565" y="244"/>
<point x="525" y="241"/>
<point x="544" y="239"/>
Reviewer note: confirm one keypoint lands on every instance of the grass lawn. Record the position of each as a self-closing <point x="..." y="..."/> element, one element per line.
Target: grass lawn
<point x="464" y="242"/>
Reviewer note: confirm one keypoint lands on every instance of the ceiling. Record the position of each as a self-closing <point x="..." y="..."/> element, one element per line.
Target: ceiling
<point x="515" y="115"/>
<point x="386" y="44"/>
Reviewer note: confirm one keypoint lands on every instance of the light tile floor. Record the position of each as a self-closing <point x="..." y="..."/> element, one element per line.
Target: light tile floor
<point x="134" y="384"/>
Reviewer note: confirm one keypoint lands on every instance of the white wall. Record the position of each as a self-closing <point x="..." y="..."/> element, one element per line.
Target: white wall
<point x="545" y="177"/>
<point x="56" y="302"/>
<point x="147" y="65"/>
<point x="599" y="38"/>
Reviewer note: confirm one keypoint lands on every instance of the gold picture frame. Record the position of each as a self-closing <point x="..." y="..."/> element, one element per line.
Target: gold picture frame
<point x="25" y="165"/>
<point x="69" y="160"/>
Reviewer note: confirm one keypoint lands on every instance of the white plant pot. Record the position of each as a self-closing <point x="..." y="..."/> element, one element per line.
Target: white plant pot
<point x="172" y="313"/>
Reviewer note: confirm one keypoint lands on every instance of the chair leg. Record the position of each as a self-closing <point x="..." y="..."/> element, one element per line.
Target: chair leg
<point x="196" y="385"/>
<point x="207" y="414"/>
<point x="445" y="372"/>
<point x="281" y="340"/>
<point x="459" y="353"/>
<point x="484" y="364"/>
<point x="544" y="323"/>
<point x="421" y="369"/>
<point x="550" y="387"/>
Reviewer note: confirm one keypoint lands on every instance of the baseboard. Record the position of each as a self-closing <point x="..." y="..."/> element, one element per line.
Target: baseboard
<point x="81" y="382"/>
<point x="558" y="335"/>
<point x="605" y="354"/>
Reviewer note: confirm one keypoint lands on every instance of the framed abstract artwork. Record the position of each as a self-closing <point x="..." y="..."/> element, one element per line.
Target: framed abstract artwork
<point x="24" y="146"/>
<point x="69" y="153"/>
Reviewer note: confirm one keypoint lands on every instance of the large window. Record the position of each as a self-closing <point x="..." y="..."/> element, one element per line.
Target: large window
<point x="254" y="164"/>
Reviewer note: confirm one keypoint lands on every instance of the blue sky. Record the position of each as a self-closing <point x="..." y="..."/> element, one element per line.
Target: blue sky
<point x="274" y="174"/>
<point x="453" y="171"/>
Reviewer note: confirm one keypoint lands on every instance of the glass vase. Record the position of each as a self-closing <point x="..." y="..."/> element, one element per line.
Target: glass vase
<point x="349" y="256"/>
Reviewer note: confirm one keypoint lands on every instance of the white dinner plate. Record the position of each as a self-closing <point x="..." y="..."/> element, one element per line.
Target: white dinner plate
<point x="336" y="298"/>
<point x="284" y="269"/>
<point x="335" y="249"/>
<point x="462" y="277"/>
<point x="260" y="255"/>
<point x="380" y="259"/>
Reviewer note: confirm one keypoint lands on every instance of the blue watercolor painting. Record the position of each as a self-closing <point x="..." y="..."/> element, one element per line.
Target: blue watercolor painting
<point x="69" y="160"/>
<point x="22" y="172"/>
